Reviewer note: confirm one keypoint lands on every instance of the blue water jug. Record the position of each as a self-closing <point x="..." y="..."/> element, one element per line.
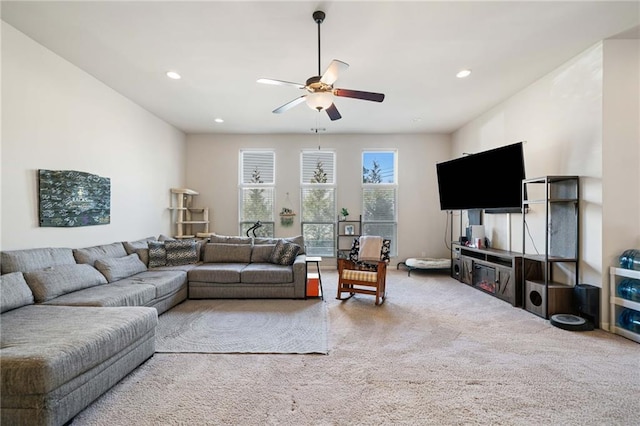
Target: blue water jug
<point x="629" y="319"/>
<point x="630" y="259"/>
<point x="629" y="289"/>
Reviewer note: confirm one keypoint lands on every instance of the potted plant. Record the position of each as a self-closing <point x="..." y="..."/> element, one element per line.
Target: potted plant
<point x="344" y="213"/>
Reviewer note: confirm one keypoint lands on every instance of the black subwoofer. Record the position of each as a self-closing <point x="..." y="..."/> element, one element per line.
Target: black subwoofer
<point x="587" y="302"/>
<point x="456" y="269"/>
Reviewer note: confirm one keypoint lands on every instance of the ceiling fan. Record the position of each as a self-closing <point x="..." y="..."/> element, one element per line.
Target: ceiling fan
<point x="320" y="87"/>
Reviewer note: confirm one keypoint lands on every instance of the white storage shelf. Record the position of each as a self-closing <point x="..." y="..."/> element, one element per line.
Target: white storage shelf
<point x="617" y="303"/>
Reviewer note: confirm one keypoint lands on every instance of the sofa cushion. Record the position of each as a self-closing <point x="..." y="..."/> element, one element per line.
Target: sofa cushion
<point x="284" y="253"/>
<point x="299" y="240"/>
<point x="131" y="246"/>
<point x="227" y="253"/>
<point x="45" y="347"/>
<point x="14" y="292"/>
<point x="119" y="293"/>
<point x="117" y="268"/>
<point x="143" y="254"/>
<point x="165" y="282"/>
<point x="224" y="239"/>
<point x="157" y="254"/>
<point x="262" y="253"/>
<point x="181" y="252"/>
<point x="90" y="254"/>
<point x="266" y="273"/>
<point x="33" y="259"/>
<point x="217" y="273"/>
<point x="52" y="282"/>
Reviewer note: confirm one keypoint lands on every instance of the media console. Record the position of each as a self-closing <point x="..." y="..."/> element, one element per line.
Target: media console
<point x="497" y="272"/>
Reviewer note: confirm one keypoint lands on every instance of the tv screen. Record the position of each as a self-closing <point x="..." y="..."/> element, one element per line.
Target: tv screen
<point x="488" y="180"/>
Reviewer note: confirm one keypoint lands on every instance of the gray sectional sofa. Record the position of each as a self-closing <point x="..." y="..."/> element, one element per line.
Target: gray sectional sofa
<point x="76" y="321"/>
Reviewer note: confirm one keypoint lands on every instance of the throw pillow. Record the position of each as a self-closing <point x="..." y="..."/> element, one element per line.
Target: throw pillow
<point x="299" y="240"/>
<point x="157" y="254"/>
<point x="14" y="292"/>
<point x="262" y="253"/>
<point x="284" y="253"/>
<point x="115" y="269"/>
<point x="143" y="254"/>
<point x="131" y="246"/>
<point x="52" y="282"/>
<point x="181" y="252"/>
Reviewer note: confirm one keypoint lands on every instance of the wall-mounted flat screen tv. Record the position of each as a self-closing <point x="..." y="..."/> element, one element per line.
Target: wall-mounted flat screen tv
<point x="490" y="180"/>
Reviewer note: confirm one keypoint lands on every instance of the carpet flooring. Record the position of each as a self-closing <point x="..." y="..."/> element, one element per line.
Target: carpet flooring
<point x="437" y="352"/>
<point x="244" y="326"/>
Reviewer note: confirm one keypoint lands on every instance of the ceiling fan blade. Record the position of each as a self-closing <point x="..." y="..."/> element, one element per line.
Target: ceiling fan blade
<point x="279" y="83"/>
<point x="289" y="105"/>
<point x="333" y="113"/>
<point x="367" y="96"/>
<point x="331" y="73"/>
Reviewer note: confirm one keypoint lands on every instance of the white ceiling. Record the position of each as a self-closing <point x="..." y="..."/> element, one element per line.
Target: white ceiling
<point x="410" y="51"/>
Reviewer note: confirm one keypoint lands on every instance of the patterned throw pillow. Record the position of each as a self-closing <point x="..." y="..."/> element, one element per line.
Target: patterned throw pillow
<point x="157" y="254"/>
<point x="181" y="252"/>
<point x="284" y="253"/>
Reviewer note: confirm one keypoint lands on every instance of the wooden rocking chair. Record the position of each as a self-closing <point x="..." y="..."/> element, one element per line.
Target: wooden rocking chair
<point x="364" y="275"/>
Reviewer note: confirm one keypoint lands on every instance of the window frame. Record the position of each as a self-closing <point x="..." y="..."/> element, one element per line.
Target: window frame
<point x="268" y="223"/>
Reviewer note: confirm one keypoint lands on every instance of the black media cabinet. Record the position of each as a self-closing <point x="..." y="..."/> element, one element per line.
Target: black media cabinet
<point x="496" y="272"/>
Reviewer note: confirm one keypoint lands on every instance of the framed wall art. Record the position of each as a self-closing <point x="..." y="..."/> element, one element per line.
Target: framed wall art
<point x="68" y="198"/>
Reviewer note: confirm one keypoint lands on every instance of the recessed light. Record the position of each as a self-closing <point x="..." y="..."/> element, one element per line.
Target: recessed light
<point x="173" y="75"/>
<point x="218" y="120"/>
<point x="463" y="74"/>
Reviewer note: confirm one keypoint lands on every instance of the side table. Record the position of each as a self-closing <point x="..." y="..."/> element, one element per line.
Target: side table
<point x="316" y="260"/>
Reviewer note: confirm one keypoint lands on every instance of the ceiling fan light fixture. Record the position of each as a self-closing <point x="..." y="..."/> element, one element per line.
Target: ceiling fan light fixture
<point x="319" y="101"/>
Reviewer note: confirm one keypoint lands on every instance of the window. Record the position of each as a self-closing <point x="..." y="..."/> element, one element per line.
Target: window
<point x="379" y="195"/>
<point x="318" y="210"/>
<point x="257" y="192"/>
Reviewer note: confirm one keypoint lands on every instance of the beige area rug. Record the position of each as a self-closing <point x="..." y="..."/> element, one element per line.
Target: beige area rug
<point x="244" y="326"/>
<point x="437" y="352"/>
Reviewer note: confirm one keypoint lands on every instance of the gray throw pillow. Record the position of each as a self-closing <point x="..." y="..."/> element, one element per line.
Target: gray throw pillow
<point x="181" y="252"/>
<point x="14" y="292"/>
<point x="115" y="269"/>
<point x="52" y="282"/>
<point x="157" y="254"/>
<point x="89" y="255"/>
<point x="131" y="246"/>
<point x="284" y="253"/>
<point x="262" y="253"/>
<point x="298" y="239"/>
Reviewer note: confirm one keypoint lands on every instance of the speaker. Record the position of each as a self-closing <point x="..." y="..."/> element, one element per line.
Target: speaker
<point x="560" y="298"/>
<point x="586" y="299"/>
<point x="456" y="269"/>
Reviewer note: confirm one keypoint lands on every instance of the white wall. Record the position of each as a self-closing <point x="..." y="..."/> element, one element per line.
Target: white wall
<point x="621" y="158"/>
<point x="560" y="118"/>
<point x="213" y="171"/>
<point x="582" y="119"/>
<point x="56" y="116"/>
